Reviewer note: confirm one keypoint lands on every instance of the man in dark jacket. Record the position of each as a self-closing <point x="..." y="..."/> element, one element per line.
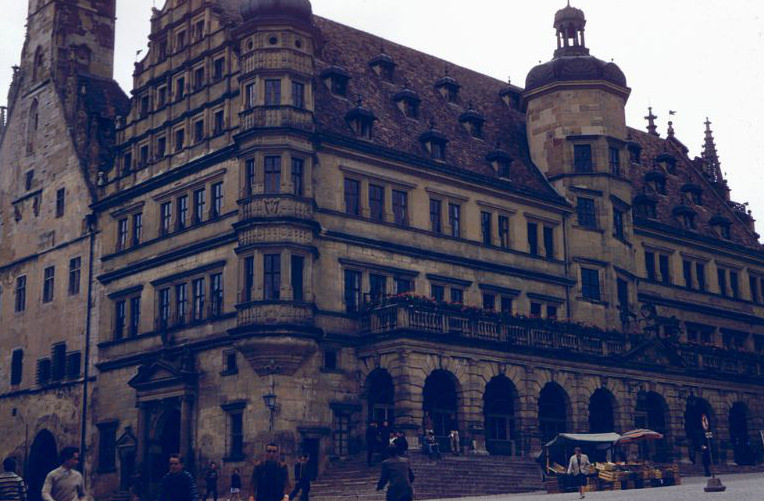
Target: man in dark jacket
<point x="401" y="443"/>
<point x="302" y="478"/>
<point x="270" y="479"/>
<point x="397" y="472"/>
<point x="178" y="484"/>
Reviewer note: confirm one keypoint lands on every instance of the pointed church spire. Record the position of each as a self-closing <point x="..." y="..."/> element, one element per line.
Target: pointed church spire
<point x="711" y="166"/>
<point x="651" y="128"/>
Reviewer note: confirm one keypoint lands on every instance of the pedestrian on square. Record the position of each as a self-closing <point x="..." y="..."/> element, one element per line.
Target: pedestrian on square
<point x="401" y="443"/>
<point x="270" y="479"/>
<point x="372" y="439"/>
<point x="302" y="478"/>
<point x="211" y="480"/>
<point x="579" y="467"/>
<point x="433" y="448"/>
<point x="11" y="485"/>
<point x="705" y="454"/>
<point x="177" y="484"/>
<point x="454" y="441"/>
<point x="236" y="485"/>
<point x="65" y="483"/>
<point x="396" y="471"/>
<point x="384" y="436"/>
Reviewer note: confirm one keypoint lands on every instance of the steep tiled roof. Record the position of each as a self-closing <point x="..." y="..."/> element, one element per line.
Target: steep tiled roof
<point x="353" y="50"/>
<point x="686" y="176"/>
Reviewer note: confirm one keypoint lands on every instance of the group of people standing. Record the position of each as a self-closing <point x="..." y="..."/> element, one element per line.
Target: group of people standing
<point x="379" y="437"/>
<point x="64" y="483"/>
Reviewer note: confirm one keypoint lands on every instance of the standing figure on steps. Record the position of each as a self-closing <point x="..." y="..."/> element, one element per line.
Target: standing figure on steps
<point x="396" y="471"/>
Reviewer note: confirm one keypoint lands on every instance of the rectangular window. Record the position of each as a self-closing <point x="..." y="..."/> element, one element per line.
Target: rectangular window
<point x="198" y="78"/>
<point x="721" y="276"/>
<point x="180" y="138"/>
<point x="535" y="310"/>
<point x="489" y="302"/>
<point x="687" y="272"/>
<point x="218" y="123"/>
<point x="400" y="207"/>
<point x="485" y="227"/>
<point x="330" y="359"/>
<point x="199" y="29"/>
<point x="182" y="217"/>
<point x="230" y="363"/>
<point x="161" y="96"/>
<point x="200" y="202"/>
<point x="298" y="95"/>
<point x="161" y="147"/>
<point x="582" y="158"/>
<point x="144" y="155"/>
<point x="454" y="219"/>
<point x="60" y="202"/>
<point x="165" y="218"/>
<point x="435" y="216"/>
<point x="615" y="161"/>
<point x="734" y="286"/>
<point x="181" y="40"/>
<point x="622" y="289"/>
<point x="181" y="303"/>
<point x="403" y="285"/>
<point x="120" y="317"/>
<point x="506" y="305"/>
<point x="249" y="277"/>
<point x="218" y="68"/>
<point x="438" y="292"/>
<point x="197" y="305"/>
<point x="587" y="212"/>
<point x="272" y="277"/>
<point x="352" y="197"/>
<point x="352" y="290"/>
<point x="549" y="242"/>
<point x="144" y="106"/>
<point x="164" y="308"/>
<point x="272" y="92"/>
<point x="217" y="200"/>
<point x="216" y="294"/>
<point x="618" y="224"/>
<point x="180" y="88"/>
<point x="457" y="295"/>
<point x="272" y="175"/>
<point x="298" y="270"/>
<point x="650" y="265"/>
<point x="249" y="96"/>
<point x="107" y="447"/>
<point x="135" y="315"/>
<point x="504" y="232"/>
<point x="17" y="367"/>
<point x="590" y="284"/>
<point x="533" y="239"/>
<point x="237" y="434"/>
<point x="75" y="264"/>
<point x="58" y="361"/>
<point x="249" y="172"/>
<point x="48" y="286"/>
<point x="377" y="287"/>
<point x="298" y="173"/>
<point x="21" y="293"/>
<point x="754" y="286"/>
<point x="122" y="225"/>
<point x="551" y="311"/>
<point x="127" y="163"/>
<point x="376" y="202"/>
<point x="43" y="371"/>
<point x="198" y="131"/>
<point x="663" y="263"/>
<point x="137" y="228"/>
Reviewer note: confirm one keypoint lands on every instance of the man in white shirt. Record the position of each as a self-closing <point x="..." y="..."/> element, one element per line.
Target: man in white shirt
<point x="579" y="466"/>
<point x="65" y="483"/>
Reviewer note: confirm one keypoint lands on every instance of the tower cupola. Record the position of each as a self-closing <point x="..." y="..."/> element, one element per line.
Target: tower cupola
<point x="570" y="23"/>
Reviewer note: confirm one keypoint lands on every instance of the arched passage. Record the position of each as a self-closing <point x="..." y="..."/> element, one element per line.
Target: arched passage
<point x="43" y="457"/>
<point x="693" y="422"/>
<point x="652" y="413"/>
<point x="499" y="412"/>
<point x="602" y="412"/>
<point x="441" y="402"/>
<point x="165" y="441"/>
<point x="381" y="396"/>
<point x="739" y="438"/>
<point x="553" y="411"/>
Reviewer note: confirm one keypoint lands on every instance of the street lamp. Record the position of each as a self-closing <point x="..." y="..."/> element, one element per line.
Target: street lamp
<point x="269" y="399"/>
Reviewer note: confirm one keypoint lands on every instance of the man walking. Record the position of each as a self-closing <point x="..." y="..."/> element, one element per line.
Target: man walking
<point x="11" y="485"/>
<point x="579" y="467"/>
<point x="211" y="479"/>
<point x="396" y="471"/>
<point x="178" y="484"/>
<point x="302" y="478"/>
<point x="270" y="479"/>
<point x="65" y="483"/>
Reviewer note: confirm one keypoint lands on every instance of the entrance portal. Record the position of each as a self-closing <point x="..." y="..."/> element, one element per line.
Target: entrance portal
<point x="741" y="444"/>
<point x="43" y="458"/>
<point x="165" y="441"/>
<point x="441" y="403"/>
<point x="499" y="410"/>
<point x="381" y="394"/>
<point x="651" y="413"/>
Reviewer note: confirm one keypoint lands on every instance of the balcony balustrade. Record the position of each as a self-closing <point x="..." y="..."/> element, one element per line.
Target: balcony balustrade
<point x="277" y="116"/>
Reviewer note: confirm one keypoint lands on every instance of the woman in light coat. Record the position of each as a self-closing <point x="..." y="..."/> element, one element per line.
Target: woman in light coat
<point x="579" y="466"/>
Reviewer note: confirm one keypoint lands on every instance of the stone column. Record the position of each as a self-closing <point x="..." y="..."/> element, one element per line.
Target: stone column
<point x="408" y="399"/>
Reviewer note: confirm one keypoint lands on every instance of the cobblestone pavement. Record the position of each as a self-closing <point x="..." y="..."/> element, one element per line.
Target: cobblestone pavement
<point x="745" y="487"/>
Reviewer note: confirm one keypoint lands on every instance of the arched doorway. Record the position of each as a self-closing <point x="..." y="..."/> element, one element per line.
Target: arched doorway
<point x="165" y="441"/>
<point x="441" y="404"/>
<point x="739" y="439"/>
<point x="43" y="457"/>
<point x="601" y="412"/>
<point x="693" y="424"/>
<point x="553" y="417"/>
<point x="652" y="413"/>
<point x="499" y="411"/>
<point x="381" y="396"/>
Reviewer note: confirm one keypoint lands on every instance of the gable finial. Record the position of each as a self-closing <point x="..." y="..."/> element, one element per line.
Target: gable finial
<point x="651" y="127"/>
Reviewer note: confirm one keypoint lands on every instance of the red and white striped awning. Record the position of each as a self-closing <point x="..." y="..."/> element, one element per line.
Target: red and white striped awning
<point x="638" y="435"/>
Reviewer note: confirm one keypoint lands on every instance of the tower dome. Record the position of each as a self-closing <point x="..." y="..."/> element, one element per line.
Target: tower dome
<point x="299" y="10"/>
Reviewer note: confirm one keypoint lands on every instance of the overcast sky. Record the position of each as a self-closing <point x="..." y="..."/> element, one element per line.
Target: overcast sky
<point x="698" y="57"/>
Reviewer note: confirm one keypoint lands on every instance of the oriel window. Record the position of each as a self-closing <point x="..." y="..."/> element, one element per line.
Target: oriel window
<point x="273" y="92"/>
<point x="400" y="207"/>
<point x="272" y="175"/>
<point x="298" y="169"/>
<point x="272" y="277"/>
<point x="377" y="202"/>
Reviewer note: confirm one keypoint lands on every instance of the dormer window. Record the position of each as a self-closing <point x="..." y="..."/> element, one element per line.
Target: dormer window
<point x="473" y="122"/>
<point x="435" y="143"/>
<point x="686" y="216"/>
<point x="667" y="161"/>
<point x="361" y="121"/>
<point x="384" y="66"/>
<point x="511" y="95"/>
<point x="692" y="193"/>
<point x="645" y="206"/>
<point x="722" y="226"/>
<point x="336" y="79"/>
<point x="408" y="102"/>
<point x="501" y="162"/>
<point x="657" y="181"/>
<point x="448" y="88"/>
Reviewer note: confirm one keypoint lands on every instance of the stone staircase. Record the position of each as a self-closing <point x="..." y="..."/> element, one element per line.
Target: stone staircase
<point x="451" y="476"/>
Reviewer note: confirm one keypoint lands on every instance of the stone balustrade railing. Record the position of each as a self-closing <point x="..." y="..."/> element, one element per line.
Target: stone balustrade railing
<point x="277" y="116"/>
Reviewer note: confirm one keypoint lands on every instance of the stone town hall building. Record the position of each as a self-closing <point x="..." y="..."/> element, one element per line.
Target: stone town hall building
<point x="290" y="208"/>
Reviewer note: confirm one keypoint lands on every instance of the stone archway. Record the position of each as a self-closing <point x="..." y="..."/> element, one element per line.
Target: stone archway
<point x="43" y="457"/>
<point x="165" y="440"/>
<point x="651" y="412"/>
<point x="739" y="435"/>
<point x="601" y="412"/>
<point x="441" y="403"/>
<point x="553" y="411"/>
<point x="380" y="392"/>
<point x="499" y="404"/>
<point x="693" y="425"/>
